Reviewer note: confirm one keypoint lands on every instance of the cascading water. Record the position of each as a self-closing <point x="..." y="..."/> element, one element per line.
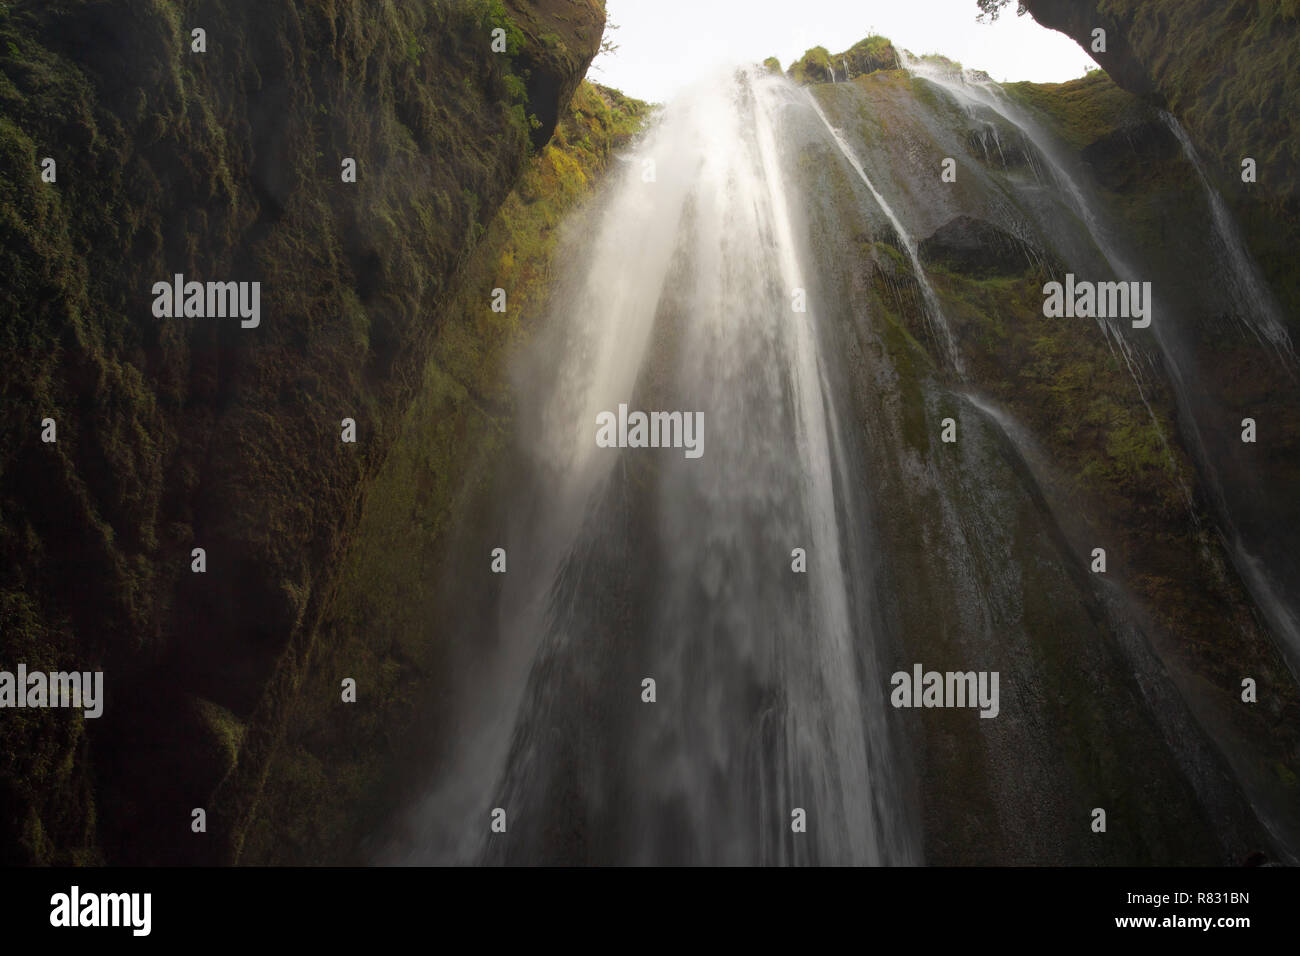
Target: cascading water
<point x="1250" y="300"/>
<point x="656" y="565"/>
<point x="934" y="311"/>
<point x="1257" y="310"/>
<point x="976" y="94"/>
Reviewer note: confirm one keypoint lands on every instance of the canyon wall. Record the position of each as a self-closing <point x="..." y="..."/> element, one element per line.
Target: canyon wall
<point x="207" y="139"/>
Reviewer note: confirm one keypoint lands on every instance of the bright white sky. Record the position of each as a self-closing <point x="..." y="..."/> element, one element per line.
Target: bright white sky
<point x="665" y="44"/>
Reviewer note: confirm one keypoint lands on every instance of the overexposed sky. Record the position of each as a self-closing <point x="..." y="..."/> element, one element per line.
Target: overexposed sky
<point x="665" y="44"/>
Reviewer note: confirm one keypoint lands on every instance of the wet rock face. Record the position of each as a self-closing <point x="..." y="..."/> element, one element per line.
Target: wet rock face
<point x="975" y="247"/>
<point x="223" y="164"/>
<point x="985" y="143"/>
<point x="1226" y="71"/>
<point x="1096" y="446"/>
<point x="1119" y="158"/>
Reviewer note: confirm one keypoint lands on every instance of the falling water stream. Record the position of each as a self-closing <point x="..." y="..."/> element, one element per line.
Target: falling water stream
<point x="656" y="565"/>
<point x="1260" y="311"/>
<point x="935" y="316"/>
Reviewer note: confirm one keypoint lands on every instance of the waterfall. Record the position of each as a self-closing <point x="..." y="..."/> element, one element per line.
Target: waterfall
<point x="727" y="268"/>
<point x="653" y="565"/>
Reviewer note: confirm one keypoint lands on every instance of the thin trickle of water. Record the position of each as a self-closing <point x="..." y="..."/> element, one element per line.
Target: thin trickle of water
<point x="1263" y="317"/>
<point x="1262" y="314"/>
<point x="974" y="92"/>
<point x="1169" y="710"/>
<point x="934" y="311"/>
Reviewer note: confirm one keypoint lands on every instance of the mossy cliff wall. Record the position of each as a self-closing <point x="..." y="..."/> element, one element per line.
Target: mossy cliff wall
<point x="175" y="434"/>
<point x="1067" y="441"/>
<point x="1230" y="72"/>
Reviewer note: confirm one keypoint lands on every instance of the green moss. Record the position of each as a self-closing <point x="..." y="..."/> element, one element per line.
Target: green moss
<point x="866" y="56"/>
<point x="491" y="15"/>
<point x="1083" y="111"/>
<point x="938" y="59"/>
<point x="813" y="67"/>
<point x="1071" y="386"/>
<point x="893" y="254"/>
<point x="225" y="731"/>
<point x="869" y="55"/>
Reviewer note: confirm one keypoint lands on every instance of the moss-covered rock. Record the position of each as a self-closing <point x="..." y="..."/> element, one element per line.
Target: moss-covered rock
<point x="818" y="65"/>
<point x="868" y="55"/>
<point x="183" y="433"/>
<point x="813" y="67"/>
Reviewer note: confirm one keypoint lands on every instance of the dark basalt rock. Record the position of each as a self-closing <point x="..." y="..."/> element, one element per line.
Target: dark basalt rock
<point x="1122" y="156"/>
<point x="561" y="37"/>
<point x="977" y="248"/>
<point x="1078" y="20"/>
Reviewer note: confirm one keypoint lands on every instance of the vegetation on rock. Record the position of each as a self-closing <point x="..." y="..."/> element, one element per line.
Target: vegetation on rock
<point x="866" y="56"/>
<point x="184" y="433"/>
